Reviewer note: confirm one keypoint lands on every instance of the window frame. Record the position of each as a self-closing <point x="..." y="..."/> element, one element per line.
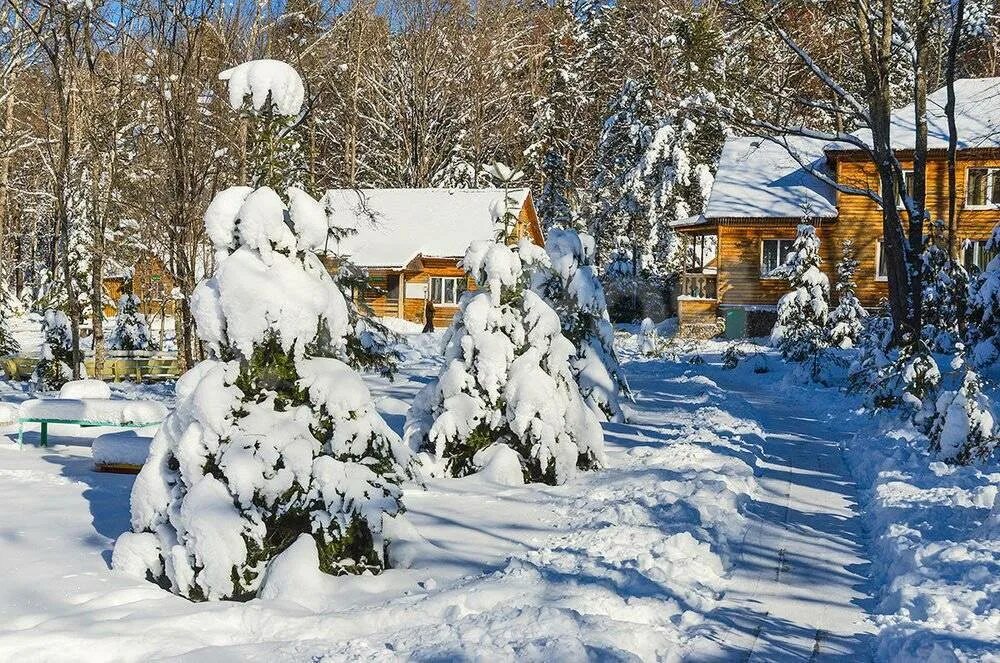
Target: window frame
<point x="907" y="173"/>
<point x="771" y="276"/>
<point x="979" y="251"/>
<point x="992" y="182"/>
<point x="879" y="260"/>
<point x="460" y="285"/>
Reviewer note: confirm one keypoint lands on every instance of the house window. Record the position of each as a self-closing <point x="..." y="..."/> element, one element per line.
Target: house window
<point x="446" y="290"/>
<point x="982" y="187"/>
<point x="392" y="287"/>
<point x="773" y="254"/>
<point x="908" y="181"/>
<point x="881" y="269"/>
<point x="976" y="256"/>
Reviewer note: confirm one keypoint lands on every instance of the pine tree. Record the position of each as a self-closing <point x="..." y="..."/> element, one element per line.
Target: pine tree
<point x="56" y="353"/>
<point x="945" y="299"/>
<point x="506" y="380"/>
<point x="846" y="321"/>
<point x="567" y="280"/>
<point x="131" y="331"/>
<point x="270" y="444"/>
<point x="963" y="428"/>
<point x="803" y="312"/>
<point x="8" y="343"/>
<point x="983" y="336"/>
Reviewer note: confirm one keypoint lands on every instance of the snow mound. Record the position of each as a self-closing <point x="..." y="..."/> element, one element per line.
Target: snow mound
<point x="9" y="413"/>
<point x="85" y="389"/>
<point x="265" y="81"/>
<point x="124" y="448"/>
<point x="500" y="464"/>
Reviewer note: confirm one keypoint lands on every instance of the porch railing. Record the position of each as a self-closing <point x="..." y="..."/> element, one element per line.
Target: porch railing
<point x="699" y="286"/>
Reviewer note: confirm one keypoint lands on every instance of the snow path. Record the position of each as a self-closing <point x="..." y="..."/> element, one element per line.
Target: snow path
<point x="799" y="590"/>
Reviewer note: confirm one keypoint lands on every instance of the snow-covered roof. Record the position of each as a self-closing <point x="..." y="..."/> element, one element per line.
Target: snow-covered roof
<point x="394" y="226"/>
<point x="760" y="179"/>
<point x="977" y="118"/>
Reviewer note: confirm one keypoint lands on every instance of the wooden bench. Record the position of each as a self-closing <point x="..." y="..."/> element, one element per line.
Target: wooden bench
<point x="112" y="414"/>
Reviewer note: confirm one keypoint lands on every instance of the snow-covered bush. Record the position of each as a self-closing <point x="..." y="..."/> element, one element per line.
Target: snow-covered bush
<point x="56" y="353"/>
<point x="566" y="278"/>
<point x="963" y="428"/>
<point x="507" y="379"/>
<point x="131" y="331"/>
<point x="649" y="338"/>
<point x="846" y="321"/>
<point x="803" y="312"/>
<point x="984" y="309"/>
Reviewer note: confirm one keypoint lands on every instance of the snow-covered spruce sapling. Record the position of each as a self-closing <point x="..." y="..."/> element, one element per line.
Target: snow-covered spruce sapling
<point x="131" y="331"/>
<point x="8" y="343"/>
<point x="506" y="380"/>
<point x="963" y="428"/>
<point x="802" y="313"/>
<point x="649" y="338"/>
<point x="267" y="442"/>
<point x="846" y="321"/>
<point x="56" y="353"/>
<point x="983" y="336"/>
<point x="944" y="304"/>
<point x="566" y="278"/>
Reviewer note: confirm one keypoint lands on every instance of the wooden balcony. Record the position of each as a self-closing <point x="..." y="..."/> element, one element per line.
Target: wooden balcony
<point x="699" y="286"/>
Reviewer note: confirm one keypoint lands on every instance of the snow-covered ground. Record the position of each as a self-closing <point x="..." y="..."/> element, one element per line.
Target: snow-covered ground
<point x="743" y="515"/>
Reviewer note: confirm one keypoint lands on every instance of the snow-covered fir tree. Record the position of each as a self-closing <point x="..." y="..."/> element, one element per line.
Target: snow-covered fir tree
<point x="506" y="380"/>
<point x="459" y="172"/>
<point x="568" y="282"/>
<point x="270" y="93"/>
<point x="8" y="343"/>
<point x="648" y="337"/>
<point x="846" y="321"/>
<point x="271" y="443"/>
<point x="983" y="335"/>
<point x="802" y="313"/>
<point x="268" y="442"/>
<point x="131" y="330"/>
<point x="963" y="427"/>
<point x="945" y="300"/>
<point x="55" y="353"/>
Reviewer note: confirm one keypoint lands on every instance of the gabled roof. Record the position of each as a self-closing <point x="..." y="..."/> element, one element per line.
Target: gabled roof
<point x="394" y="226"/>
<point x="977" y="118"/>
<point x="757" y="178"/>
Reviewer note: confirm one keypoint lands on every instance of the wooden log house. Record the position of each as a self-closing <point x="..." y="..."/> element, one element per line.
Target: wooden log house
<point x="762" y="192"/>
<point x="409" y="242"/>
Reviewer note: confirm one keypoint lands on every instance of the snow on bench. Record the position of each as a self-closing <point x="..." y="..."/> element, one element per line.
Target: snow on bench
<point x="123" y="452"/>
<point x="89" y="412"/>
<point x="9" y="412"/>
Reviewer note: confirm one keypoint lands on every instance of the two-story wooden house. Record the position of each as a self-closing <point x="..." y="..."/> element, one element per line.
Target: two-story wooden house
<point x="410" y="242"/>
<point x="762" y="193"/>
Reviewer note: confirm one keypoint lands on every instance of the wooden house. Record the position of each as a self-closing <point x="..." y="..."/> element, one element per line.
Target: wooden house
<point x="151" y="281"/>
<point x="763" y="190"/>
<point x="409" y="242"/>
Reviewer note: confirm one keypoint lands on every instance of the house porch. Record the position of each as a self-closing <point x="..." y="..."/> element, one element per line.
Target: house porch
<point x="698" y="297"/>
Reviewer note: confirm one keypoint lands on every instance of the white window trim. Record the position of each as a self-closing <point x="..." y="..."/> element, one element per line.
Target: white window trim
<point x="878" y="262"/>
<point x="980" y="248"/>
<point x="989" y="188"/>
<point x="760" y="264"/>
<point x="899" y="200"/>
<point x="430" y="290"/>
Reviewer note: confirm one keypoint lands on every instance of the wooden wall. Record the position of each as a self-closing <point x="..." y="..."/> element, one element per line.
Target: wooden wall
<point x="860" y="221"/>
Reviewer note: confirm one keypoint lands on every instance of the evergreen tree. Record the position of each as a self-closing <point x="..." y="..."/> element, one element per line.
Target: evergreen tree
<point x="802" y="313"/>
<point x="131" y="331"/>
<point x="945" y="300"/>
<point x="983" y="336"/>
<point x="847" y="320"/>
<point x="506" y="380"/>
<point x="963" y="428"/>
<point x="567" y="280"/>
<point x="56" y="353"/>
<point x="8" y="344"/>
<point x="271" y="443"/>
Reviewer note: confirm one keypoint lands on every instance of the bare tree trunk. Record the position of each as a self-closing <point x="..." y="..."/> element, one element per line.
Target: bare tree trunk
<point x="949" y="110"/>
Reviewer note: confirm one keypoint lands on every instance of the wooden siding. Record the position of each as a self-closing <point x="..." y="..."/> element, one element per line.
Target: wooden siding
<point x="860" y="220"/>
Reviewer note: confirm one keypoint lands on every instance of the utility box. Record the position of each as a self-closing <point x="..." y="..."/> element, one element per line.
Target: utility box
<point x="736" y="324"/>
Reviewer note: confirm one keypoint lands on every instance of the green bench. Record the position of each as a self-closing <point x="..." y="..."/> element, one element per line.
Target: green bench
<point x="88" y="413"/>
<point x="44" y="424"/>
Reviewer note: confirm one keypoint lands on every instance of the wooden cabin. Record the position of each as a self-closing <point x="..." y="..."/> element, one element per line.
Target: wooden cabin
<point x="763" y="190"/>
<point x="151" y="281"/>
<point x="409" y="242"/>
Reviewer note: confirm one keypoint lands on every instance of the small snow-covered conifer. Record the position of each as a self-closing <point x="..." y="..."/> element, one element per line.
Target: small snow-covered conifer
<point x="131" y="331"/>
<point x="847" y="320"/>
<point x="8" y="343"/>
<point x="648" y="337"/>
<point x="507" y="380"/>
<point x="568" y="282"/>
<point x="803" y="312"/>
<point x="963" y="428"/>
<point x="270" y="443"/>
<point x="54" y="367"/>
<point x="945" y="286"/>
<point x="984" y="308"/>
